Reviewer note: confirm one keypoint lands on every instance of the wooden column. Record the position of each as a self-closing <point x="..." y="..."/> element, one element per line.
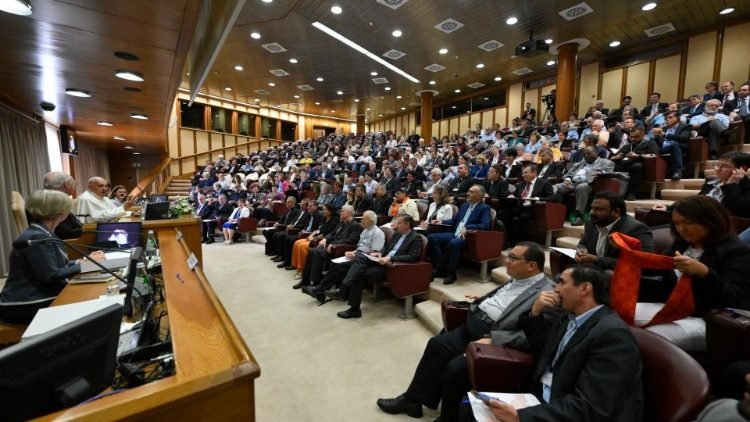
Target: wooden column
<point x="360" y="124"/>
<point x="277" y="135"/>
<point x="258" y="128"/>
<point x="426" y="119"/>
<point x="566" y="80"/>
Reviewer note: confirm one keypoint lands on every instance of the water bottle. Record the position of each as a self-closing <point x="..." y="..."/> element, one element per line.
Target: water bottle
<point x="142" y="285"/>
<point x="151" y="247"/>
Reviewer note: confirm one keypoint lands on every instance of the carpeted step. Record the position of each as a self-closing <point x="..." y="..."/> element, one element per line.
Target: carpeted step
<point x="683" y="184"/>
<point x="568" y="242"/>
<point x="646" y="203"/>
<point x="675" y="194"/>
<point x="429" y="312"/>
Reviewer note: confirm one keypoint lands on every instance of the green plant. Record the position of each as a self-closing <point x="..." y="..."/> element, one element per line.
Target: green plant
<point x="180" y="207"/>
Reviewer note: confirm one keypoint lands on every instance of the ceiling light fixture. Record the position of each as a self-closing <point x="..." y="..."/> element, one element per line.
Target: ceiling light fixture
<point x="271" y="84"/>
<point x="238" y="67"/>
<point x="362" y="50"/>
<point x="368" y="109"/>
<point x="319" y="79"/>
<point x="648" y="6"/>
<point x="356" y="100"/>
<point x="296" y="96"/>
<point x="16" y="7"/>
<point x="511" y="20"/>
<point x="136" y="153"/>
<point x="229" y="88"/>
<point x="129" y="75"/>
<point x="727" y="11"/>
<point x="293" y="60"/>
<point x="457" y="91"/>
<point x="119" y="138"/>
<point x="396" y="33"/>
<point x="333" y="111"/>
<point x="373" y="73"/>
<point x="432" y="82"/>
<point x="380" y="115"/>
<point x="614" y="43"/>
<point x="78" y="93"/>
<point x="480" y="65"/>
<point x="139" y="116"/>
<point x="550" y="63"/>
<point x="317" y="102"/>
<point x="387" y="88"/>
<point x="105" y="123"/>
<point x="336" y="10"/>
<point x="548" y="41"/>
<point x="257" y="100"/>
<point x="498" y="78"/>
<point x="443" y="51"/>
<point x="267" y="1"/>
<point x="398" y="97"/>
<point x="403" y="108"/>
<point x="255" y="35"/>
<point x="340" y="92"/>
<point x="128" y="147"/>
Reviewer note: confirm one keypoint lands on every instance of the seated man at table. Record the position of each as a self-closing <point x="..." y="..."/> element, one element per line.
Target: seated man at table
<point x="94" y="206"/>
<point x="517" y="212"/>
<point x="588" y="365"/>
<point x="441" y="375"/>
<point x="70" y="228"/>
<point x="473" y="215"/>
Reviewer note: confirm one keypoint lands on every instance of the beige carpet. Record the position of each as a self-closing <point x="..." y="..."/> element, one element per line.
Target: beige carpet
<point x="314" y="365"/>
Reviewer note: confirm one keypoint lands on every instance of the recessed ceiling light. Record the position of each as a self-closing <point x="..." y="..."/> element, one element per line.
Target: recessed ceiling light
<point x="387" y="88"/>
<point x="648" y="6"/>
<point x="614" y="43"/>
<point x="136" y="153"/>
<point x="319" y="79"/>
<point x="267" y="1"/>
<point x="368" y="109"/>
<point x="336" y="10"/>
<point x="457" y="91"/>
<point x="119" y="138"/>
<point x="373" y="73"/>
<point x="356" y="100"/>
<point x="380" y="115"/>
<point x="78" y="93"/>
<point x="128" y="147"/>
<point x="271" y="84"/>
<point x="511" y="20"/>
<point x="480" y="65"/>
<point x="727" y="11"/>
<point x="453" y="106"/>
<point x="432" y="82"/>
<point x="550" y="63"/>
<point x="129" y="75"/>
<point x="105" y="123"/>
<point x="238" y="67"/>
<point x="131" y="89"/>
<point x="333" y="111"/>
<point x="403" y="108"/>
<point x="317" y="102"/>
<point x="486" y="98"/>
<point x="293" y="60"/>
<point x="443" y="51"/>
<point x="296" y="96"/>
<point x="340" y="92"/>
<point x="397" y="33"/>
<point x="139" y="116"/>
<point x="255" y="35"/>
<point x="398" y="97"/>
<point x="498" y="78"/>
<point x="16" y="7"/>
<point x="548" y="41"/>
<point x="229" y="88"/>
<point x="126" y="56"/>
<point x="257" y="100"/>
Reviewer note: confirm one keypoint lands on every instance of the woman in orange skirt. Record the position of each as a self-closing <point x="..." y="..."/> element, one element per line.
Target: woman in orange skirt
<point x="302" y="246"/>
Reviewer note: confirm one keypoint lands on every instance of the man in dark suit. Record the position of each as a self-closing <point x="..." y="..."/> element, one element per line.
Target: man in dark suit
<point x="517" y="212"/>
<point x="441" y="375"/>
<point x="673" y="139"/>
<point x="383" y="201"/>
<point x="529" y="113"/>
<point x="588" y="364"/>
<point x="695" y="108"/>
<point x="732" y="185"/>
<point x="314" y="221"/>
<point x="303" y="220"/>
<point x="362" y="201"/>
<point x="609" y="215"/>
<point x="219" y="215"/>
<point x="654" y="107"/>
<point x="412" y="184"/>
<point x="347" y="233"/>
<point x="495" y="185"/>
<point x="405" y="246"/>
<point x="473" y="215"/>
<point x="728" y="97"/>
<point x="462" y="182"/>
<point x="290" y="217"/>
<point x="629" y="159"/>
<point x="550" y="170"/>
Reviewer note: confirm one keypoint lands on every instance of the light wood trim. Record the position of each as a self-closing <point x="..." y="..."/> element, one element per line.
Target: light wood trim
<point x="717" y="55"/>
<point x="683" y="69"/>
<point x="150" y="183"/>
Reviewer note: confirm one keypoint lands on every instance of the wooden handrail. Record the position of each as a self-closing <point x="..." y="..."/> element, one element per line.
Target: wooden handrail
<point x="151" y="182"/>
<point x="210" y="151"/>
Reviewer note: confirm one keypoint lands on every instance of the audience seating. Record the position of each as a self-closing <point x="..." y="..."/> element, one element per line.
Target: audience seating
<point x="247" y="226"/>
<point x="654" y="172"/>
<point x="548" y="218"/>
<point x="483" y="246"/>
<point x="697" y="154"/>
<point x="653" y="218"/>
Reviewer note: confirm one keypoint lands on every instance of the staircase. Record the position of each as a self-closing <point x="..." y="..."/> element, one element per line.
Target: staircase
<point x="177" y="187"/>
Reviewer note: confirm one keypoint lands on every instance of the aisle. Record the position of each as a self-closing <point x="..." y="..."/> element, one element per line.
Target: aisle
<point x="314" y="365"/>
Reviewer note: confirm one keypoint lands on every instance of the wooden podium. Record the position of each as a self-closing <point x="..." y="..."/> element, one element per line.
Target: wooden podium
<point x="215" y="370"/>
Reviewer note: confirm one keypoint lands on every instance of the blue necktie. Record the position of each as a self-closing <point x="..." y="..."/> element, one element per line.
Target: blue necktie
<point x="397" y="246"/>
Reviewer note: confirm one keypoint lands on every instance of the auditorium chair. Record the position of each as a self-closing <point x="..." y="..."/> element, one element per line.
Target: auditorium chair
<point x="549" y="217"/>
<point x="740" y="224"/>
<point x="422" y="210"/>
<point x="406" y="279"/>
<point x="279" y="208"/>
<point x="247" y="226"/>
<point x="309" y="194"/>
<point x="732" y="138"/>
<point x="653" y="218"/>
<point x="483" y="246"/>
<point x="654" y="172"/>
<point x="697" y="154"/>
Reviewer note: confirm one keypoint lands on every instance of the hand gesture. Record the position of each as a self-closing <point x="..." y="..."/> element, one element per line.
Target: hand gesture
<point x="502" y="411"/>
<point x="546" y="299"/>
<point x="689" y="265"/>
<point x="737" y="175"/>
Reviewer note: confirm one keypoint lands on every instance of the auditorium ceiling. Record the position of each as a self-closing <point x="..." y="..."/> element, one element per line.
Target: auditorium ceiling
<point x="70" y="44"/>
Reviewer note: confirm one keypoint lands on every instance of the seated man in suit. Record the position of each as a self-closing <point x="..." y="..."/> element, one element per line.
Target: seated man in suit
<point x="382" y="203"/>
<point x="473" y="215"/>
<point x="362" y="201"/>
<point x="579" y="177"/>
<point x="495" y="185"/>
<point x="313" y="223"/>
<point x="629" y="159"/>
<point x="412" y="185"/>
<point x="609" y="215"/>
<point x="290" y="217"/>
<point x="517" y="213"/>
<point x="460" y="185"/>
<point x="405" y="246"/>
<point x="654" y="107"/>
<point x="588" y="365"/>
<point x="673" y="140"/>
<point x="732" y="185"/>
<point x="441" y="375"/>
<point x="281" y="236"/>
<point x="549" y="170"/>
<point x="695" y="108"/>
<point x="70" y="228"/>
<point x="741" y="113"/>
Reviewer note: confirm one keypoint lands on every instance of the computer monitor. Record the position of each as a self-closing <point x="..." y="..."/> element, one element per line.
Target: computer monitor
<point x="158" y="198"/>
<point x="126" y="235"/>
<point x="156" y="211"/>
<point x="61" y="368"/>
<point x="136" y="256"/>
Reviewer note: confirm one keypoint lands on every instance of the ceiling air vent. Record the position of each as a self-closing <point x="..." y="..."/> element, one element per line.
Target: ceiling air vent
<point x="660" y="30"/>
<point x="393" y="4"/>
<point x="305" y="87"/>
<point x="262" y="91"/>
<point x="449" y="25"/>
<point x="490" y="45"/>
<point x="475" y="85"/>
<point x="279" y="72"/>
<point x="380" y="80"/>
<point x="523" y="71"/>
<point x="394" y="54"/>
<point x="576" y="11"/>
<point x="274" y="47"/>
<point x="435" y="67"/>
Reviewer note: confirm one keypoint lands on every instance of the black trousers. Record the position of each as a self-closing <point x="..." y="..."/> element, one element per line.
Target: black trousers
<point x="441" y="373"/>
<point x="287" y="249"/>
<point x="635" y="169"/>
<point x="279" y="241"/>
<point x="316" y="259"/>
<point x="270" y="245"/>
<point x="207" y="230"/>
<point x="517" y="220"/>
<point x="361" y="269"/>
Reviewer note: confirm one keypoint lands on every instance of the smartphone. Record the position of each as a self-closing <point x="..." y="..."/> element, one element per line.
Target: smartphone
<point x="480" y="396"/>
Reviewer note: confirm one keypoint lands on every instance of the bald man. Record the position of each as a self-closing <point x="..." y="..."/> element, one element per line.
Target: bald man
<point x="93" y="206"/>
<point x="70" y="228"/>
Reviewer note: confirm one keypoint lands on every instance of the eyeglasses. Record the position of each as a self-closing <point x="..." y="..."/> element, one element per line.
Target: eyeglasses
<point x="722" y="166"/>
<point x="512" y="257"/>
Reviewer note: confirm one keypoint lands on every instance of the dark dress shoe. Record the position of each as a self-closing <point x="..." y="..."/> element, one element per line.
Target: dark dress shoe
<point x="278" y="259"/>
<point x="578" y="221"/>
<point x="353" y="313"/>
<point x="676" y="176"/>
<point x="450" y="279"/>
<point x="335" y="294"/>
<point x="282" y="265"/>
<point x="209" y="241"/>
<point x="438" y="274"/>
<point x="630" y="197"/>
<point x="300" y="285"/>
<point x="289" y="268"/>
<point x="400" y="405"/>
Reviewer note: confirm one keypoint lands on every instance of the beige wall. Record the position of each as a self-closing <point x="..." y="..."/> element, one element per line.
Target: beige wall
<point x="665" y="81"/>
<point x="735" y="57"/>
<point x="636" y="85"/>
<point x="700" y="65"/>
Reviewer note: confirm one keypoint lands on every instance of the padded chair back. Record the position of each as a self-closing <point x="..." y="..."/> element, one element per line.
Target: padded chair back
<point x="455" y="210"/>
<point x="18" y="205"/>
<point x="279" y="208"/>
<point x="493" y="218"/>
<point x="740" y="224"/>
<point x="424" y="247"/>
<point x="388" y="234"/>
<point x="675" y="386"/>
<point x="663" y="239"/>
<point x="422" y="209"/>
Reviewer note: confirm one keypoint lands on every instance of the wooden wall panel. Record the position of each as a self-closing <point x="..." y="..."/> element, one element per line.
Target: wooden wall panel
<point x="263" y="112"/>
<point x="232" y="139"/>
<point x="284" y="115"/>
<point x="515" y="107"/>
<point x="488" y="118"/>
<point x="399" y="126"/>
<point x="202" y="141"/>
<point x="186" y="141"/>
<point x="463" y="124"/>
<point x="453" y="126"/>
<point x="174" y="168"/>
<point x="611" y="88"/>
<point x="700" y="62"/>
<point x="475" y="119"/>
<point x="273" y="113"/>
<point x="444" y="130"/>
<point x="501" y="116"/>
<point x="735" y="60"/>
<point x="637" y="85"/>
<point x="216" y="142"/>
<point x="667" y="77"/>
<point x="436" y="130"/>
<point x="418" y="129"/>
<point x="531" y="96"/>
<point x="588" y="87"/>
<point x="412" y="123"/>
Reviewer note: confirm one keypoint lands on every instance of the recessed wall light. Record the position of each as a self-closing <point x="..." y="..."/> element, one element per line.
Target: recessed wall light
<point x="229" y="88"/>
<point x="648" y="6"/>
<point x="139" y="116"/>
<point x="498" y="78"/>
<point x="129" y="75"/>
<point x="293" y="60"/>
<point x="340" y="92"/>
<point x="480" y="65"/>
<point x="548" y="41"/>
<point x="432" y="82"/>
<point x="255" y="35"/>
<point x="727" y="11"/>
<point x="336" y="10"/>
<point x="387" y="88"/>
<point x="105" y="123"/>
<point x="443" y="51"/>
<point x="457" y="91"/>
<point x="511" y="20"/>
<point x="614" y="43"/>
<point x="396" y="33"/>
<point x="271" y="84"/>
<point x="238" y="67"/>
<point x="16" y="7"/>
<point x="373" y="73"/>
<point x="403" y="108"/>
<point x="78" y="93"/>
<point x="119" y="138"/>
<point x="550" y="63"/>
<point x="319" y="79"/>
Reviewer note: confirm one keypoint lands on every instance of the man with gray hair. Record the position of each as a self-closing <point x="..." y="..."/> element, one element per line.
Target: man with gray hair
<point x="93" y="206"/>
<point x="70" y="228"/>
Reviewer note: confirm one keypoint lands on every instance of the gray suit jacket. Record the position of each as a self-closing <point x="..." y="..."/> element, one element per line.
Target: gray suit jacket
<point x="506" y="331"/>
<point x="600" y="165"/>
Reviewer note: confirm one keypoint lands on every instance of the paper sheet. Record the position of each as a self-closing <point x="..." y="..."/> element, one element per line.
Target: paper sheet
<point x="340" y="259"/>
<point x="482" y="413"/>
<point x="48" y="319"/>
<point x="114" y="260"/>
<point x="566" y="251"/>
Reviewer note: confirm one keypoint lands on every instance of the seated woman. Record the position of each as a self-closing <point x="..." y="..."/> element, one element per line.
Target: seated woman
<point x="440" y="208"/>
<point x="241" y="211"/>
<point x="38" y="272"/>
<point x="479" y="171"/>
<point x="707" y="249"/>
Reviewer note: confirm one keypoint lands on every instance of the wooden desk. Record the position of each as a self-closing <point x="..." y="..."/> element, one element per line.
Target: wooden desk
<point x="189" y="226"/>
<point x="215" y="370"/>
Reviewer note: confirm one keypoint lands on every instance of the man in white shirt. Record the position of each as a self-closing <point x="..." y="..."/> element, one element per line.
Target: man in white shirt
<point x="93" y="206"/>
<point x="711" y="124"/>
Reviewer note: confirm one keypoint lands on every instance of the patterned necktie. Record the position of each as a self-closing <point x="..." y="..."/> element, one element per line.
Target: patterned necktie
<point x="743" y="107"/>
<point x="525" y="193"/>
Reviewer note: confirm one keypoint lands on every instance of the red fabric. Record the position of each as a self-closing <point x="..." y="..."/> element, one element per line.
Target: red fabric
<point x="627" y="280"/>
